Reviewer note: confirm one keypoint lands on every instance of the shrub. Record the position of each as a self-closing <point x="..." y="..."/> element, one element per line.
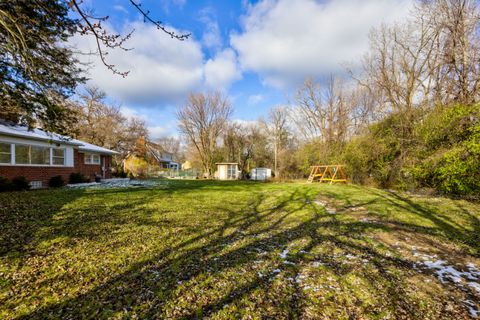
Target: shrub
<point x="77" y="177"/>
<point x="442" y="151"/>
<point x="56" y="182"/>
<point x="5" y="185"/>
<point x="138" y="167"/>
<point x="20" y="183"/>
<point x="120" y="173"/>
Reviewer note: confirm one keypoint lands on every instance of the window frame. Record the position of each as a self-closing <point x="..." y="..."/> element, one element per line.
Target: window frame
<point x="231" y="171"/>
<point x="9" y="153"/>
<point x="88" y="158"/>
<point x="49" y="155"/>
<point x="53" y="157"/>
<point x="30" y="164"/>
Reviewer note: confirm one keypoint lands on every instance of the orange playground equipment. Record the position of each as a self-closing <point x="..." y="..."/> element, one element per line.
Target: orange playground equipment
<point x="328" y="173"/>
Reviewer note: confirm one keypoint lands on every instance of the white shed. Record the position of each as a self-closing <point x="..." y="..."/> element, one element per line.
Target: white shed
<point x="261" y="174"/>
<point x="227" y="171"/>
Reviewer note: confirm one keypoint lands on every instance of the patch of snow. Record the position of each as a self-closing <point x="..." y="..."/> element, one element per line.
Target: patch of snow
<point x="475" y="286"/>
<point x="284" y="254"/>
<point x="120" y="183"/>
<point x="473" y="270"/>
<point x="299" y="278"/>
<point x="325" y="205"/>
<point x="446" y="272"/>
<point x="474" y="313"/>
<point x="83" y="185"/>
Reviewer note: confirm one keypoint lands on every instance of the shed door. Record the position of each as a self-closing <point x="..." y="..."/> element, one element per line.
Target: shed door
<point x="231" y="171"/>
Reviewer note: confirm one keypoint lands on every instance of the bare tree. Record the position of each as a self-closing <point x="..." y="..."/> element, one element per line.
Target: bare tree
<point x="202" y="120"/>
<point x="91" y="24"/>
<point x="245" y="143"/>
<point x="364" y="109"/>
<point x="309" y="114"/>
<point x="277" y="130"/>
<point x="398" y="64"/>
<point x="322" y="115"/>
<point x="174" y="146"/>
<point x="104" y="125"/>
<point x="458" y="69"/>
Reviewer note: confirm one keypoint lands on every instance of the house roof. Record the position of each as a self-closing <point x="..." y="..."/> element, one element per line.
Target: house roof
<point x="13" y="130"/>
<point x="226" y="163"/>
<point x="158" y="153"/>
<point x="85" y="146"/>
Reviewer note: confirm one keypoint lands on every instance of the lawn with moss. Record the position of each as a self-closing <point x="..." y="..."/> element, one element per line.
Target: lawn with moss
<point x="230" y="250"/>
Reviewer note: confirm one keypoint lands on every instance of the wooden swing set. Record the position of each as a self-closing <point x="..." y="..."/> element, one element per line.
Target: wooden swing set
<point x="329" y="173"/>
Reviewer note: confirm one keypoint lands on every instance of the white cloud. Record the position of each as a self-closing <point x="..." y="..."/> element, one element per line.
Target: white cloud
<point x="222" y="70"/>
<point x="161" y="69"/>
<point x="156" y="132"/>
<point x="211" y="37"/>
<point x="131" y="113"/>
<point x="120" y="8"/>
<point x="255" y="98"/>
<point x="285" y="40"/>
<point x="166" y="4"/>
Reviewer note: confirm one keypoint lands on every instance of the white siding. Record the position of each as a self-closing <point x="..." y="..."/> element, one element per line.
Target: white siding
<point x="222" y="172"/>
<point x="69" y="161"/>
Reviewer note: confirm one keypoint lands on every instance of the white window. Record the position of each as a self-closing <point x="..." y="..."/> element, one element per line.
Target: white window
<point x="25" y="154"/>
<point x="231" y="171"/>
<point x="92" y="158"/>
<point x="58" y="157"/>
<point x="36" y="184"/>
<point x="5" y="153"/>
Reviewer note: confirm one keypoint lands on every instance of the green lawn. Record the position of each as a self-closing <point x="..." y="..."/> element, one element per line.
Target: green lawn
<point x="229" y="250"/>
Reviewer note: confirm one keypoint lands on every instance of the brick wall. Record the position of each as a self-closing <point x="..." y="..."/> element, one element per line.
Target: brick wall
<point x="90" y="170"/>
<point x="45" y="173"/>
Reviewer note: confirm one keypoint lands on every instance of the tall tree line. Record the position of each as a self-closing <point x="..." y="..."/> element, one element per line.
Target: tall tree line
<point x="430" y="61"/>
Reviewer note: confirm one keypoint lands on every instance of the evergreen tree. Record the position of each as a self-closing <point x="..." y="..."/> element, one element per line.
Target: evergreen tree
<point x="37" y="70"/>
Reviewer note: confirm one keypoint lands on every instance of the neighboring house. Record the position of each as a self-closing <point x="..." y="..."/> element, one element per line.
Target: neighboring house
<point x="260" y="174"/>
<point x="162" y="157"/>
<point x="227" y="171"/>
<point x="187" y="165"/>
<point x="39" y="155"/>
<point x="148" y="159"/>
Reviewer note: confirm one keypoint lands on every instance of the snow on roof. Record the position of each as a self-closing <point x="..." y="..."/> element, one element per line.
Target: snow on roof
<point x="13" y="130"/>
<point x="85" y="146"/>
<point x="35" y="134"/>
<point x="158" y="154"/>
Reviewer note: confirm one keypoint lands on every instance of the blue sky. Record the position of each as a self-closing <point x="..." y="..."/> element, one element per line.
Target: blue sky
<point x="256" y="52"/>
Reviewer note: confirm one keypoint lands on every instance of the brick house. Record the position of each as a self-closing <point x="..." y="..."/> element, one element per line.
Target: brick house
<point x="39" y="155"/>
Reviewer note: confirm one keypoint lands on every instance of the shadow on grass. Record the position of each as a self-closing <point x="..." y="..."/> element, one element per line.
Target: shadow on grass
<point x="444" y="224"/>
<point x="21" y="220"/>
<point x="149" y="289"/>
